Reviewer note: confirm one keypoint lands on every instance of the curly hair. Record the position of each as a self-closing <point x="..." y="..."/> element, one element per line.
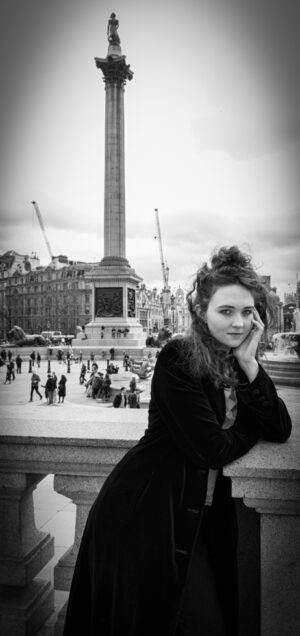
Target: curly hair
<point x="205" y="355"/>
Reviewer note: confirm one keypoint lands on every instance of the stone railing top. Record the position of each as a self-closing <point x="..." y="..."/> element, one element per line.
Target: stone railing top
<point x="121" y="429"/>
<point x="111" y="427"/>
<point x="269" y="460"/>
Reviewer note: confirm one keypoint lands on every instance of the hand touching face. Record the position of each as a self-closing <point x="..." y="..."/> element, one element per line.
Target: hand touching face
<point x="246" y="351"/>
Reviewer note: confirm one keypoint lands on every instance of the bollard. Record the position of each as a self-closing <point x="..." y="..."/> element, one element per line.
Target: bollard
<point x="49" y="366"/>
<point x="30" y="366"/>
<point x="69" y="366"/>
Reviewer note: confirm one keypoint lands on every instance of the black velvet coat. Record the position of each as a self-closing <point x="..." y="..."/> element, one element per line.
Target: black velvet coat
<point x="139" y="537"/>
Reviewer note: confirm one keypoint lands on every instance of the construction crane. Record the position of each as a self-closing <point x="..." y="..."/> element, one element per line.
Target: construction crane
<point x="41" y="222"/>
<point x="164" y="266"/>
<point x="166" y="292"/>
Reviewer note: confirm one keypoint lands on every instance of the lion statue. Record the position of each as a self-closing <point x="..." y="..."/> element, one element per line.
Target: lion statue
<point x="17" y="336"/>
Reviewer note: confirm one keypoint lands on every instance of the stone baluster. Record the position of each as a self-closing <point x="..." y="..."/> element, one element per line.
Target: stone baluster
<point x="279" y="566"/>
<point x="25" y="602"/>
<point x="275" y="495"/>
<point x="83" y="491"/>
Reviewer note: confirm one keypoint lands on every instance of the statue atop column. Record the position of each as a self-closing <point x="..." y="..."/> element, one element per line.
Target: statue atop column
<point x="112" y="30"/>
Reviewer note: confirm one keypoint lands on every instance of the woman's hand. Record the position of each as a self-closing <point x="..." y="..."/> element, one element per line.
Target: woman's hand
<point x="245" y="353"/>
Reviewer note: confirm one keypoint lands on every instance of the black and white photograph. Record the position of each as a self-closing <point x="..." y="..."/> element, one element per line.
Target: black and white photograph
<point x="149" y="260"/>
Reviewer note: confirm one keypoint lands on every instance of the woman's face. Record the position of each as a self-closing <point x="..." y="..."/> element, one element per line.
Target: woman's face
<point x="229" y="314"/>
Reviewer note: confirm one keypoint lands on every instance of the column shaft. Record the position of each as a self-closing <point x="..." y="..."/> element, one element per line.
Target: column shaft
<point x="114" y="194"/>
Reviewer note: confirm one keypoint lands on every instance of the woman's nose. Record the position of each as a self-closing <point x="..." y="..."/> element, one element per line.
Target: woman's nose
<point x="238" y="321"/>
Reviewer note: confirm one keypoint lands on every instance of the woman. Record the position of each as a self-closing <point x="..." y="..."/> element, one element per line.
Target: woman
<point x="62" y="389"/>
<point x="158" y="555"/>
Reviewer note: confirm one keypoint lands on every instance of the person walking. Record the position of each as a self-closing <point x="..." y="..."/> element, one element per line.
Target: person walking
<point x="35" y="380"/>
<point x="158" y="553"/>
<point x="8" y="374"/>
<point x="19" y="363"/>
<point x="100" y="393"/>
<point x="32" y="356"/>
<point x="62" y="389"/>
<point x="132" y="384"/>
<point x="54" y="376"/>
<point x="106" y="386"/>
<point x="96" y="384"/>
<point x="38" y="359"/>
<point x="126" y="361"/>
<point x="49" y="388"/>
<point x="12" y="369"/>
<point x="82" y="374"/>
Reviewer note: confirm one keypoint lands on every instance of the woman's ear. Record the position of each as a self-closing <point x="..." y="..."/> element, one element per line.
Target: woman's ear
<point x="200" y="313"/>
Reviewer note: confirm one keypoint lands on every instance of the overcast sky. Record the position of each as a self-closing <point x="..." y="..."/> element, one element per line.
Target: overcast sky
<point x="212" y="119"/>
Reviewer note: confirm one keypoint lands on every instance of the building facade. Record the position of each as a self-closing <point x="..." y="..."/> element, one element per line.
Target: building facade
<point x="59" y="297"/>
<point x="47" y="299"/>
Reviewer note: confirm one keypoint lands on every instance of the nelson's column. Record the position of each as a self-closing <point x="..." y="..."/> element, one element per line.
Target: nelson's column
<point x="114" y="322"/>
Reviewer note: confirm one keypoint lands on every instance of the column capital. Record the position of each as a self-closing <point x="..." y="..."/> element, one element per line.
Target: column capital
<point x="114" y="69"/>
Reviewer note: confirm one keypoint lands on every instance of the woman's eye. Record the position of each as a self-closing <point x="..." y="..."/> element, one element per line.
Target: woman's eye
<point x="248" y="312"/>
<point x="225" y="312"/>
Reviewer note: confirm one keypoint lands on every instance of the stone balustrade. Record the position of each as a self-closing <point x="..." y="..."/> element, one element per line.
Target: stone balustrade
<point x="81" y="455"/>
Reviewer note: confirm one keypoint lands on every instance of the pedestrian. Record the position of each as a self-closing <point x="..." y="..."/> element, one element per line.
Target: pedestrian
<point x="32" y="356"/>
<point x="54" y="376"/>
<point x="106" y="386"/>
<point x="35" y="380"/>
<point x="8" y="374"/>
<point x="158" y="554"/>
<point x="12" y="369"/>
<point x="89" y="383"/>
<point x="80" y="356"/>
<point x="3" y="355"/>
<point x="62" y="389"/>
<point x="132" y="383"/>
<point x="38" y="359"/>
<point x="100" y="393"/>
<point x="49" y="388"/>
<point x="9" y="355"/>
<point x="133" y="400"/>
<point x="82" y="374"/>
<point x="126" y="361"/>
<point x="96" y="384"/>
<point x="19" y="363"/>
<point x="120" y="399"/>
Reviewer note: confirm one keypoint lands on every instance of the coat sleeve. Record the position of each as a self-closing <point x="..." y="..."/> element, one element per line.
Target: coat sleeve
<point x="259" y="401"/>
<point x="186" y="411"/>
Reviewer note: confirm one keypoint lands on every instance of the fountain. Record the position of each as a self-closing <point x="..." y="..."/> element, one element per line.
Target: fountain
<point x="283" y="362"/>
